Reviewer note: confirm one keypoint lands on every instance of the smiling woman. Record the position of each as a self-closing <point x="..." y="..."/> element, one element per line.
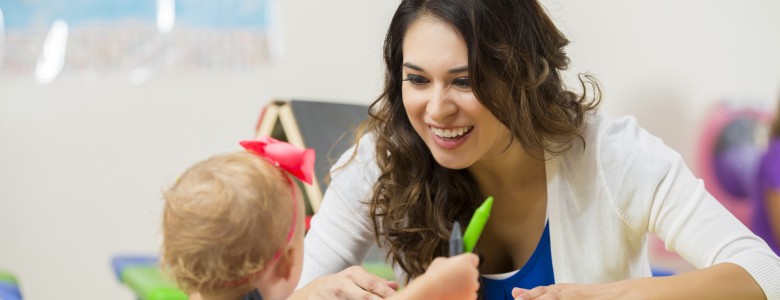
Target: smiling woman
<point x="474" y="106"/>
<point x="477" y="116"/>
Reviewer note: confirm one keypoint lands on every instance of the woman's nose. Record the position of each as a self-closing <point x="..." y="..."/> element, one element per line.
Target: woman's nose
<point x="440" y="106"/>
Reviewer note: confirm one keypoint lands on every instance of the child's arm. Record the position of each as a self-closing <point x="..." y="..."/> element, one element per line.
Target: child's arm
<point x="446" y="278"/>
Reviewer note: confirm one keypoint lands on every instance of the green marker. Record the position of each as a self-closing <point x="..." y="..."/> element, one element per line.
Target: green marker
<point x="477" y="224"/>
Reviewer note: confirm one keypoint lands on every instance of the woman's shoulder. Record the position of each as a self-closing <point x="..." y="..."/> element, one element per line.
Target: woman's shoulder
<point x="362" y="151"/>
<point x="625" y="163"/>
<point x="357" y="162"/>
<point x="625" y="158"/>
<point x="601" y="126"/>
<point x="608" y="136"/>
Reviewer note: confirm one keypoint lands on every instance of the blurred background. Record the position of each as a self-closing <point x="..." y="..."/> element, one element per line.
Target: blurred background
<point x="103" y="104"/>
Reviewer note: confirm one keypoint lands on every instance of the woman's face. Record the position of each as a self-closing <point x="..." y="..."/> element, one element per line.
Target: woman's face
<point x="439" y="102"/>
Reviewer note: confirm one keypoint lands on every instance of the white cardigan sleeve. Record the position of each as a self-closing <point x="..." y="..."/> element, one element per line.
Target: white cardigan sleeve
<point x="341" y="231"/>
<point x="659" y="194"/>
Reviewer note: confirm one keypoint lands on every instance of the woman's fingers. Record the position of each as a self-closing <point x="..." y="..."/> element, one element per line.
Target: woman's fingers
<point x="355" y="292"/>
<point x="547" y="292"/>
<point x="371" y="283"/>
<point x="516" y="292"/>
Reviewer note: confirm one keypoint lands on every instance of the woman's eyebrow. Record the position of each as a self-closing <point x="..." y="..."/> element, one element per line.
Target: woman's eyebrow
<point x="458" y="70"/>
<point x="451" y="71"/>
<point x="413" y="66"/>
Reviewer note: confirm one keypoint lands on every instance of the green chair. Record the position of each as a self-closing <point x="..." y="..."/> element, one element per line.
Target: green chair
<point x="149" y="283"/>
<point x="143" y="276"/>
<point x="9" y="286"/>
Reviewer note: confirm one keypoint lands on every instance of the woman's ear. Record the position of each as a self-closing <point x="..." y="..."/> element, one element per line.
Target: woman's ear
<point x="285" y="265"/>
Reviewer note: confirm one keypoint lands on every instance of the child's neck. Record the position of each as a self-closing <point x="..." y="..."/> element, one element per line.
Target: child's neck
<point x="236" y="293"/>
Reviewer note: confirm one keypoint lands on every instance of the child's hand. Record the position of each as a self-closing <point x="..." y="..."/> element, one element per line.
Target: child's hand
<point x="195" y="296"/>
<point x="456" y="277"/>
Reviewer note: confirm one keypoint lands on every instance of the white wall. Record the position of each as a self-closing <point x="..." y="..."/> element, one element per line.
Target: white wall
<point x="82" y="163"/>
<point x="667" y="62"/>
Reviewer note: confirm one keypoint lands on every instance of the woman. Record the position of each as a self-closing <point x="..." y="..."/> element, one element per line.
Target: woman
<point x="473" y="106"/>
<point x="766" y="221"/>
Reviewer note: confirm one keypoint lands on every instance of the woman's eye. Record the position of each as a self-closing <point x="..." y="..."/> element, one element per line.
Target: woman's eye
<point x="415" y="79"/>
<point x="462" y="83"/>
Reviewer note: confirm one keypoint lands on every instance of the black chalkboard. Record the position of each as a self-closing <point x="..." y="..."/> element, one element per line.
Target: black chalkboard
<point x="327" y="127"/>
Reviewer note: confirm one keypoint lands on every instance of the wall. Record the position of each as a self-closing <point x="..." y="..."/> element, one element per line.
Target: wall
<point x="83" y="161"/>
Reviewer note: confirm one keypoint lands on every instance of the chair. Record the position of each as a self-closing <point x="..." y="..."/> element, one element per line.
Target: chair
<point x="142" y="274"/>
<point x="9" y="287"/>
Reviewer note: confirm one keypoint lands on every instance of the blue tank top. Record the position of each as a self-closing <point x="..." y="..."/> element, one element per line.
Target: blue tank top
<point x="537" y="271"/>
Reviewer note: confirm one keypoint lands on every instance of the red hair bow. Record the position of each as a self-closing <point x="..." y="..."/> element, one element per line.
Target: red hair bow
<point x="297" y="161"/>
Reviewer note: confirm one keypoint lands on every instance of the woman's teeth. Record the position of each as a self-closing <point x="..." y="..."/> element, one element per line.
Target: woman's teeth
<point x="451" y="133"/>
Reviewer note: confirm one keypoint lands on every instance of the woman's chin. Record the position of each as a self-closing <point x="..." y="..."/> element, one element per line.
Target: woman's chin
<point x="453" y="163"/>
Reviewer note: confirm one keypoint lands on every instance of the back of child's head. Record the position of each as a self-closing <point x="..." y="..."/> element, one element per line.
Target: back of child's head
<point x="223" y="220"/>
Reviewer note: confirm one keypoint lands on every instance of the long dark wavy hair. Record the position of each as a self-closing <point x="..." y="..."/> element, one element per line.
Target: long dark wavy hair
<point x="515" y="54"/>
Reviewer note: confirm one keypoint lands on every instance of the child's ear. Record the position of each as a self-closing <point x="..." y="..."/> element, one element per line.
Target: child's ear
<point x="286" y="262"/>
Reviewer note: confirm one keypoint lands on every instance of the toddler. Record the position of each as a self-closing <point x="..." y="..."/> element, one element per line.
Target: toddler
<point x="233" y="228"/>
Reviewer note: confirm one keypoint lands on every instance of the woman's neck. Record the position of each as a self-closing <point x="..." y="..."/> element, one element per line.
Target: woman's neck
<point x="518" y="182"/>
<point x="509" y="170"/>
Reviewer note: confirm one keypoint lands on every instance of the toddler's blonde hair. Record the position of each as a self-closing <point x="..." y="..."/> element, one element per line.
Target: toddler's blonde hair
<point x="224" y="218"/>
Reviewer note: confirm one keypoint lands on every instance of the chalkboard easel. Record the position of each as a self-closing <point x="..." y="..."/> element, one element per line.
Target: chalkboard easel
<point x="327" y="127"/>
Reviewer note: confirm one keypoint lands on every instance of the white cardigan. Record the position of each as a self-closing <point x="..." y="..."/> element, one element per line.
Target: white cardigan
<point x="603" y="200"/>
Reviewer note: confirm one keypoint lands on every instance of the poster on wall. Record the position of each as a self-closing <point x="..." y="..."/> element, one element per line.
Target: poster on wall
<point x="49" y="37"/>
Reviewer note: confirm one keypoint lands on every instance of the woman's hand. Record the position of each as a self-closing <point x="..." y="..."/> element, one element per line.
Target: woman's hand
<point x="352" y="283"/>
<point x="572" y="291"/>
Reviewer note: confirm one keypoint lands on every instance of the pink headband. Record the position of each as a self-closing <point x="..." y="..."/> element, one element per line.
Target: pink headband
<point x="296" y="161"/>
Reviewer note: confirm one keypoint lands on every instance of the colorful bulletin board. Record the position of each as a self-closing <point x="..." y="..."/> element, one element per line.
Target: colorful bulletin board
<point x="127" y="35"/>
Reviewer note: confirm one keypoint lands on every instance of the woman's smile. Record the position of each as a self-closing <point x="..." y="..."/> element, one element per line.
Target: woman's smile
<point x="452" y="137"/>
